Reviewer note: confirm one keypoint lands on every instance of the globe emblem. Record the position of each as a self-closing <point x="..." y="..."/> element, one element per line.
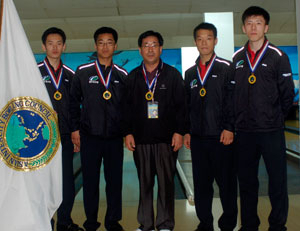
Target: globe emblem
<point x="27" y="134"/>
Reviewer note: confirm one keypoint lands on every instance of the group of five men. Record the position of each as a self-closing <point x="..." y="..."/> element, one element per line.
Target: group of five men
<point x="219" y="106"/>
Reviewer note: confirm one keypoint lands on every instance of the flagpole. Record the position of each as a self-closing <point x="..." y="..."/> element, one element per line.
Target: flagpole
<point x="1" y="15"/>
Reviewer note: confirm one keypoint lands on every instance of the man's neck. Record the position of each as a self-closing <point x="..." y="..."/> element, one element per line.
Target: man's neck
<point x="255" y="46"/>
<point x="205" y="58"/>
<point x="54" y="62"/>
<point x="151" y="66"/>
<point x="105" y="61"/>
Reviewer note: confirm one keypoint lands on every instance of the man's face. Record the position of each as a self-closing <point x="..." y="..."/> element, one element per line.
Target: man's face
<point x="150" y="50"/>
<point x="255" y="28"/>
<point x="205" y="42"/>
<point x="54" y="46"/>
<point x="105" y="45"/>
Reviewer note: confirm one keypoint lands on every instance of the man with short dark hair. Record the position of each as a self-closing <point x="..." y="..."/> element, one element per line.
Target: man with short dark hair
<point x="210" y="134"/>
<point x="96" y="112"/>
<point x="155" y="113"/>
<point x="264" y="93"/>
<point x="58" y="78"/>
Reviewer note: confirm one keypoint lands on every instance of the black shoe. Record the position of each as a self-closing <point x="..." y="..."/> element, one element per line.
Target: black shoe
<point x="115" y="226"/>
<point x="71" y="227"/>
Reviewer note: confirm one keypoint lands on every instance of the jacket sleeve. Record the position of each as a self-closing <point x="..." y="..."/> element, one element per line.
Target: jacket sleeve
<point x="285" y="84"/>
<point x="188" y="102"/>
<point x="75" y="102"/>
<point x="128" y="104"/>
<point x="179" y="96"/>
<point x="228" y="99"/>
<point x="124" y="79"/>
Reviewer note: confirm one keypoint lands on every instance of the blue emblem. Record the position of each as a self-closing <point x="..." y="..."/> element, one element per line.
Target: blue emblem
<point x="29" y="135"/>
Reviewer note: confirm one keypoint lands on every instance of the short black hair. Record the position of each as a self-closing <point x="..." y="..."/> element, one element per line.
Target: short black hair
<point x="205" y="26"/>
<point x="53" y="30"/>
<point x="106" y="30"/>
<point x="150" y="33"/>
<point x="256" y="11"/>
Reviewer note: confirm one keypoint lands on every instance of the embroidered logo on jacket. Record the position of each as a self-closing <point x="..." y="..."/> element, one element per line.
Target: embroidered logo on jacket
<point x="239" y="64"/>
<point x="94" y="79"/>
<point x="46" y="79"/>
<point x="286" y="74"/>
<point x="193" y="83"/>
<point x="163" y="87"/>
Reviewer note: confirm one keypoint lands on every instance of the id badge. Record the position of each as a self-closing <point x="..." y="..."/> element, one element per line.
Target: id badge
<point x="152" y="110"/>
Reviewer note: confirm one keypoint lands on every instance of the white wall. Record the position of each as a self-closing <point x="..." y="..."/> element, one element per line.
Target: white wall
<point x="224" y="24"/>
<point x="225" y="47"/>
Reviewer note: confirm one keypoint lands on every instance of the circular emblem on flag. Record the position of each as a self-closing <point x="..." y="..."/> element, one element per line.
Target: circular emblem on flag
<point x="29" y="135"/>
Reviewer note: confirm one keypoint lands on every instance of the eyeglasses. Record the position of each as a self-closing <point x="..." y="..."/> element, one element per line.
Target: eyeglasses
<point x="148" y="45"/>
<point x="108" y="44"/>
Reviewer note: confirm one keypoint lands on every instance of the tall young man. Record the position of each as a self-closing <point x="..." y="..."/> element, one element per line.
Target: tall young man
<point x="58" y="78"/>
<point x="210" y="134"/>
<point x="97" y="95"/>
<point x="155" y="113"/>
<point x="264" y="93"/>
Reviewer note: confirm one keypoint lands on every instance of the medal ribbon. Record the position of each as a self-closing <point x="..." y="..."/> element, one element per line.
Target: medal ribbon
<point x="100" y="74"/>
<point x="208" y="69"/>
<point x="153" y="82"/>
<point x="259" y="57"/>
<point x="56" y="82"/>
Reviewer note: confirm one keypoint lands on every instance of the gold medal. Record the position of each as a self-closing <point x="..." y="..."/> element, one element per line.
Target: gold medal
<point x="149" y="95"/>
<point x="57" y="95"/>
<point x="202" y="92"/>
<point x="107" y="95"/>
<point x="252" y="79"/>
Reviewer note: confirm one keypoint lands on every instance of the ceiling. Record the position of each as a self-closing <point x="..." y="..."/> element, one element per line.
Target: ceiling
<point x="174" y="19"/>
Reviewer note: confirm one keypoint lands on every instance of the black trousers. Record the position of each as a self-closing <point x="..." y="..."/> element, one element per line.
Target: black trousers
<point x="211" y="160"/>
<point x="93" y="151"/>
<point x="150" y="160"/>
<point x="271" y="146"/>
<point x="65" y="209"/>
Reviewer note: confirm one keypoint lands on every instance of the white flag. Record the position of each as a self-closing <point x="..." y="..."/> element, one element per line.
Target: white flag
<point x="30" y="152"/>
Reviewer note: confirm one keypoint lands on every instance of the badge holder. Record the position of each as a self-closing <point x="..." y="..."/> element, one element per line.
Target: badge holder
<point x="152" y="110"/>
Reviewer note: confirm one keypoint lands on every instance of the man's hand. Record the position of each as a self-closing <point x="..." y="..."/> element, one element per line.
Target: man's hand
<point x="176" y="142"/>
<point x="187" y="141"/>
<point x="129" y="142"/>
<point x="226" y="137"/>
<point x="75" y="136"/>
